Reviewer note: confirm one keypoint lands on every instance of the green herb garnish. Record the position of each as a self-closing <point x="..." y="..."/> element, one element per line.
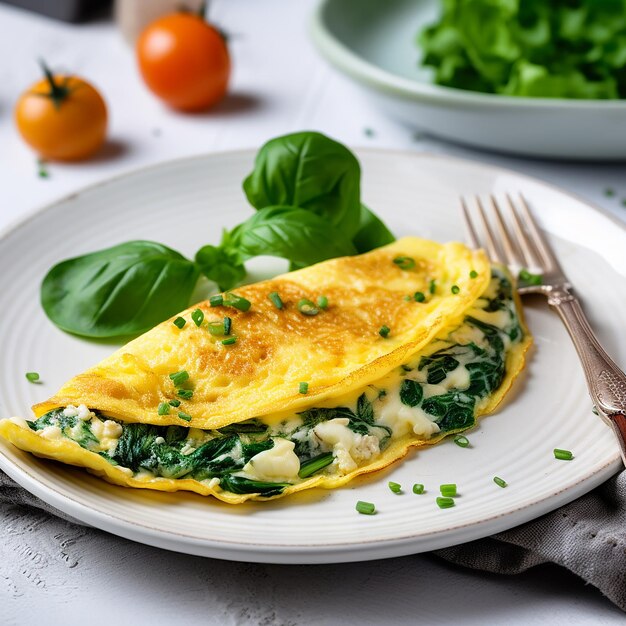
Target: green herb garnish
<point x="32" y="377"/>
<point x="365" y="508"/>
<point x="306" y="307"/>
<point x="462" y="441"/>
<point x="42" y="169"/>
<point x="432" y="286"/>
<point x="405" y="262"/>
<point x="197" y="316"/>
<point x="455" y="289"/>
<point x="228" y="324"/>
<point x="237" y="302"/>
<point x="499" y="481"/>
<point x="229" y="341"/>
<point x="216" y="328"/>
<point x="444" y="502"/>
<point x="418" y="488"/>
<point x="163" y="409"/>
<point x="217" y="300"/>
<point x="174" y="402"/>
<point x="276" y="299"/>
<point x="179" y="322"/>
<point x="185" y="394"/>
<point x="528" y="278"/>
<point x="322" y="302"/>
<point x="448" y="490"/>
<point x="384" y="331"/>
<point x="563" y="455"/>
<point x="394" y="487"/>
<point x="184" y="416"/>
<point x="418" y="296"/>
<point x="178" y="378"/>
<point x="303" y="388"/>
<point x="473" y="274"/>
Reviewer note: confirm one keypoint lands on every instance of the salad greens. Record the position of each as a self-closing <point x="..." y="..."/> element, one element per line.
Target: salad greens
<point x="305" y="188"/>
<point x="533" y="48"/>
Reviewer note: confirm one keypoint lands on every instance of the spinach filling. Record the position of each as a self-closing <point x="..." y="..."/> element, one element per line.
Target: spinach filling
<point x="180" y="452"/>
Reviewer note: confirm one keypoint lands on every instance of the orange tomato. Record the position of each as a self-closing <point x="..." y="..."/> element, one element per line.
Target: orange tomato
<point x="62" y="117"/>
<point x="184" y="61"/>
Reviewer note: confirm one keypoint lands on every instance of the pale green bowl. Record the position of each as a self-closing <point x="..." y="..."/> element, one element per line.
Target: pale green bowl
<point x="373" y="43"/>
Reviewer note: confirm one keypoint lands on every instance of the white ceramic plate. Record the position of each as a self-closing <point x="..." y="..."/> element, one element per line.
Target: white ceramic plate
<point x="373" y="43"/>
<point x="185" y="204"/>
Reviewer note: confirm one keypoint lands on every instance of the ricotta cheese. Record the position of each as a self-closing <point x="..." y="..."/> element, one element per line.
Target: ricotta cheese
<point x="277" y="464"/>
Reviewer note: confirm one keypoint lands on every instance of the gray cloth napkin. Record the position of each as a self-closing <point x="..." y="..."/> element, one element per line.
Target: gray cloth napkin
<point x="588" y="537"/>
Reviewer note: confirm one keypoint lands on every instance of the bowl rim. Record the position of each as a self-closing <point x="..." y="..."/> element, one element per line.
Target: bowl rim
<point x="338" y="54"/>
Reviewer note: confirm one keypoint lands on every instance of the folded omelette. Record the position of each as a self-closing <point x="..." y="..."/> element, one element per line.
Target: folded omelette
<point x="305" y="380"/>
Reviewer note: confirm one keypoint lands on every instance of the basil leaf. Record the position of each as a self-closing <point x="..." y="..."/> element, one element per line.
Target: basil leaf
<point x="310" y="171"/>
<point x="295" y="234"/>
<point x="118" y="291"/>
<point x="371" y="232"/>
<point x="221" y="265"/>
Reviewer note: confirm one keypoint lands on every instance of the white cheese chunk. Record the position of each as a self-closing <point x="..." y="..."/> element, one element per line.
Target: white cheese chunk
<point x="51" y="432"/>
<point x="159" y="441"/>
<point x="83" y="413"/>
<point x="70" y="411"/>
<point x="403" y="419"/>
<point x="278" y="464"/>
<point x="112" y="429"/>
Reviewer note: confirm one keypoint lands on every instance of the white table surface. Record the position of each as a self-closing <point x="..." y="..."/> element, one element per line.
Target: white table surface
<point x="55" y="573"/>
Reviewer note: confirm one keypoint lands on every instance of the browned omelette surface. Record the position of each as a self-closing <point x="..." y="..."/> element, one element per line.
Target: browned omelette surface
<point x="335" y="351"/>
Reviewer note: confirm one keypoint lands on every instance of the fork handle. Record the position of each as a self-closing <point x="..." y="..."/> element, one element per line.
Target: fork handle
<point x="606" y="381"/>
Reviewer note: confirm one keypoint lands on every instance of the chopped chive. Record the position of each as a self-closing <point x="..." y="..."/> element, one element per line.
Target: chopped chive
<point x="198" y="317"/>
<point x="473" y="274"/>
<point x="164" y="408"/>
<point x="418" y="488"/>
<point x="32" y="377"/>
<point x="432" y="286"/>
<point x="395" y="487"/>
<point x="455" y="289"/>
<point x="178" y="378"/>
<point x="418" y="296"/>
<point x="322" y="302"/>
<point x="230" y="341"/>
<point x="215" y="328"/>
<point x="405" y="262"/>
<point x="42" y="169"/>
<point x="499" y="481"/>
<point x="609" y="192"/>
<point x="184" y="416"/>
<point x="365" y="508"/>
<point x="448" y="490"/>
<point x="444" y="503"/>
<point x="563" y="455"/>
<point x="237" y="302"/>
<point x="462" y="441"/>
<point x="303" y="388"/>
<point x="179" y="322"/>
<point x="185" y="394"/>
<point x="310" y="467"/>
<point x="530" y="279"/>
<point x="174" y="402"/>
<point x="216" y="300"/>
<point x="228" y="324"/>
<point x="306" y="307"/>
<point x="384" y="331"/>
<point x="276" y="299"/>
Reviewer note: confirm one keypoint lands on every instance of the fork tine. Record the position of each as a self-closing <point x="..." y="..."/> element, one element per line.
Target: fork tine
<point x="469" y="228"/>
<point x="492" y="249"/>
<point x="543" y="247"/>
<point x="512" y="258"/>
<point x="531" y="259"/>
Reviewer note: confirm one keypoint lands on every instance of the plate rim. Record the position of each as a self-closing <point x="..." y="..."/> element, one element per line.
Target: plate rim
<point x="356" y="67"/>
<point x="302" y="553"/>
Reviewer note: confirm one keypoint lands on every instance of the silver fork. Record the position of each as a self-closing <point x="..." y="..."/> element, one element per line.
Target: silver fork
<point x="522" y="246"/>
